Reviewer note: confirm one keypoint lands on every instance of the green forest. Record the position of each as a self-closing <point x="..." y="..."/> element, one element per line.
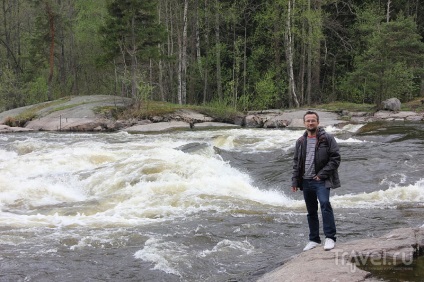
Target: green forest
<point x="243" y="54"/>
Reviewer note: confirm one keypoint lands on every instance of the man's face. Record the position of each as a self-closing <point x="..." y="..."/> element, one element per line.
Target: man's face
<point x="311" y="122"/>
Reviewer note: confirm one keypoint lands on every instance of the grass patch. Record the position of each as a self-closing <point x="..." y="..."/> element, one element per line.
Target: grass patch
<point x="416" y="105"/>
<point x="352" y="107"/>
<point x="110" y="111"/>
<point x="150" y="109"/>
<point x="31" y="113"/>
<point x="21" y="119"/>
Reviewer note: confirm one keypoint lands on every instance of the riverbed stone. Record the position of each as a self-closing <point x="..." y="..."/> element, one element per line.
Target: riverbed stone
<point x="79" y="114"/>
<point x="5" y="128"/>
<point x="253" y="121"/>
<point x="392" y="104"/>
<point x="340" y="264"/>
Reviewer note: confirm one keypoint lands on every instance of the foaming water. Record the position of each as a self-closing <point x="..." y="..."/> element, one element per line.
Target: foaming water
<point x="390" y="198"/>
<point x="123" y="184"/>
<point x="185" y="206"/>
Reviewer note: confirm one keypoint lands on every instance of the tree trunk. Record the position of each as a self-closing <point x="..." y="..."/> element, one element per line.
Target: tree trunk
<point x="316" y="56"/>
<point x="309" y="71"/>
<point x="277" y="54"/>
<point x="184" y="55"/>
<point x="51" y="17"/>
<point x="160" y="64"/>
<point x="289" y="56"/>
<point x="218" y="52"/>
<point x="182" y="58"/>
<point x="198" y="53"/>
<point x="205" y="78"/>
<point x="133" y="63"/>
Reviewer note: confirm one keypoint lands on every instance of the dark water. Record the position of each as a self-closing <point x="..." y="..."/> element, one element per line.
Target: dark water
<point x="191" y="232"/>
<point x="389" y="270"/>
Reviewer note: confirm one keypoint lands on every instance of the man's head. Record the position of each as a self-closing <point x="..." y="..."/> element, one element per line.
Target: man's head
<point x="311" y="121"/>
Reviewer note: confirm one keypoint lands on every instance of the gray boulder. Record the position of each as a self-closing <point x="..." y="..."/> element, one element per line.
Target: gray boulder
<point x="254" y="121"/>
<point x="276" y="122"/>
<point x="392" y="104"/>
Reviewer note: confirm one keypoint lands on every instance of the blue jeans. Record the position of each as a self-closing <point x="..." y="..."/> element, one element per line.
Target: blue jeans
<point x="313" y="190"/>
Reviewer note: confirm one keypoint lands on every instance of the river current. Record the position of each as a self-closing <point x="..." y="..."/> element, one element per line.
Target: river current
<point x="211" y="205"/>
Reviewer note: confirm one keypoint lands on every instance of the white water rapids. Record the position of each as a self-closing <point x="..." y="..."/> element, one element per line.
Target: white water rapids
<point x="69" y="181"/>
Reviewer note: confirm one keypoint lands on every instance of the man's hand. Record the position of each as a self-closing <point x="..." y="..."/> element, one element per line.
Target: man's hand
<point x="317" y="178"/>
<point x="294" y="189"/>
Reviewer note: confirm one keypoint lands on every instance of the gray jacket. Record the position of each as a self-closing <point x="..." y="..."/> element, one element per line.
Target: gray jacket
<point x="327" y="159"/>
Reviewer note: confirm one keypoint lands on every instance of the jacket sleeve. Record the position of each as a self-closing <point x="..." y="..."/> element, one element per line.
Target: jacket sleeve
<point x="333" y="160"/>
<point x="296" y="168"/>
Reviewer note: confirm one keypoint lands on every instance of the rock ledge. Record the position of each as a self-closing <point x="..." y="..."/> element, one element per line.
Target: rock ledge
<point x="339" y="264"/>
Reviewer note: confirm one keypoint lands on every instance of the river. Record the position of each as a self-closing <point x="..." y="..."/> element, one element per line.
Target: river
<point x="201" y="205"/>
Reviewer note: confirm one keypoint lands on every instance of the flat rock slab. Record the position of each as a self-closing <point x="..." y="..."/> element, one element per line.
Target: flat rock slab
<point x="5" y="128"/>
<point x="402" y="115"/>
<point x="339" y="264"/>
<point x="325" y="118"/>
<point x="176" y="125"/>
<point x="211" y="124"/>
<point x="158" y="126"/>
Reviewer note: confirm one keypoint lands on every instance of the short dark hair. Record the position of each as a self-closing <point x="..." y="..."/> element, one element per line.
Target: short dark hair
<point x="311" y="113"/>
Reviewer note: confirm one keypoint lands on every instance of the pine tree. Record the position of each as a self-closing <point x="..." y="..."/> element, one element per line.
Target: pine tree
<point x="131" y="36"/>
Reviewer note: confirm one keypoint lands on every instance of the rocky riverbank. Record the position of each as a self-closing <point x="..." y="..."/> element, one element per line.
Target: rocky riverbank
<point x="81" y="114"/>
<point x="341" y="264"/>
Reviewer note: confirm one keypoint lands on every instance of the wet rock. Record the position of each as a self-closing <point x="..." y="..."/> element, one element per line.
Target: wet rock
<point x="340" y="264"/>
<point x="253" y="121"/>
<point x="276" y="122"/>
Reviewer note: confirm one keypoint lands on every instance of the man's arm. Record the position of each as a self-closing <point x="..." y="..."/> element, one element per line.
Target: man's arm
<point x="295" y="175"/>
<point x="333" y="158"/>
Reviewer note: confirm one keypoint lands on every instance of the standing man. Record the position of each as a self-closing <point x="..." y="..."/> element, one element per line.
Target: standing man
<point x="315" y="162"/>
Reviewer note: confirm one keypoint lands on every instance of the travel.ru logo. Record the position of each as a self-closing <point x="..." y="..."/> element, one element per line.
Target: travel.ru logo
<point x="376" y="260"/>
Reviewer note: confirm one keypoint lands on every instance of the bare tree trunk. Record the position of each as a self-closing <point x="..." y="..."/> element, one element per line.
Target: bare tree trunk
<point x="51" y="17"/>
<point x="301" y="81"/>
<point x="316" y="56"/>
<point x="197" y="28"/>
<point x="184" y="55"/>
<point x="309" y="75"/>
<point x="133" y="55"/>
<point x="205" y="78"/>
<point x="182" y="58"/>
<point x="245" y="61"/>
<point x="170" y="51"/>
<point x="180" y="72"/>
<point x="388" y="11"/>
<point x="6" y="32"/>
<point x="289" y="56"/>
<point x="277" y="54"/>
<point x="218" y="52"/>
<point x="160" y="48"/>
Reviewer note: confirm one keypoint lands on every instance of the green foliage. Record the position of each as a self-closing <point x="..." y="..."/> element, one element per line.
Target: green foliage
<point x="266" y="90"/>
<point x="36" y="90"/>
<point x="102" y="47"/>
<point x="392" y="59"/>
<point x="10" y="96"/>
<point x="131" y="29"/>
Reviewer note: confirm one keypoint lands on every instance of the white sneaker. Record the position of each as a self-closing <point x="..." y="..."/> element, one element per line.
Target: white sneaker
<point x="310" y="246"/>
<point x="329" y="244"/>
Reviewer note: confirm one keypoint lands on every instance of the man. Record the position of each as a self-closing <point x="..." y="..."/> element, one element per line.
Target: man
<point x="315" y="162"/>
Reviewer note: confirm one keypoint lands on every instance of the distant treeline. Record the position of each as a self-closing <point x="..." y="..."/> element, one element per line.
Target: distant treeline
<point x="245" y="54"/>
